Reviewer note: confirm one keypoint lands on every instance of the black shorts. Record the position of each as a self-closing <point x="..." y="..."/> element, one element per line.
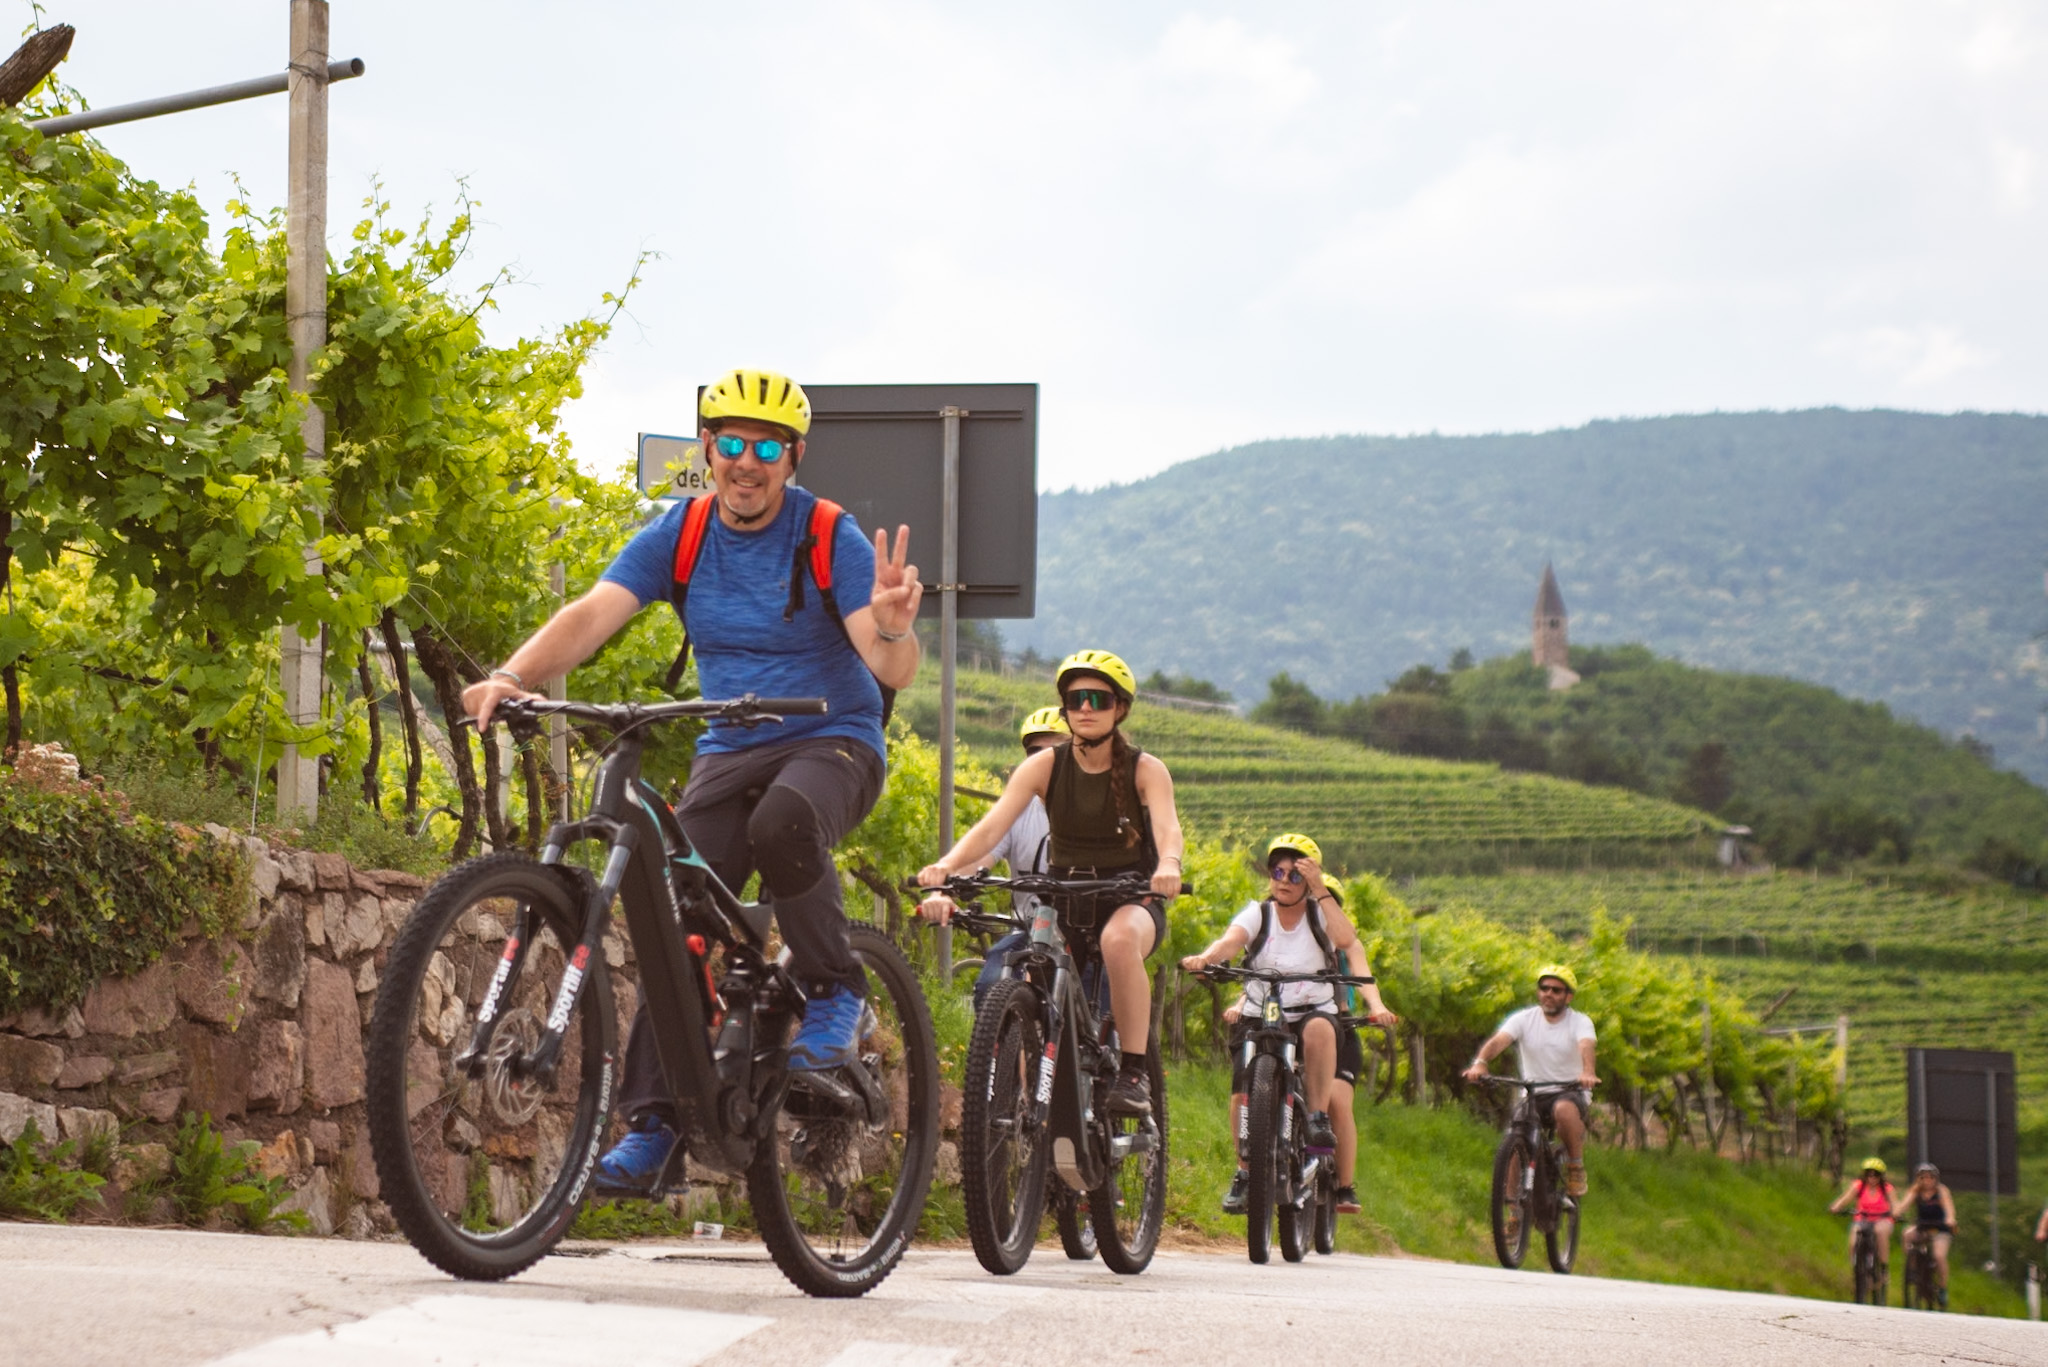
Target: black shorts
<point x="1350" y="1056"/>
<point x="1082" y="917"/>
<point x="1546" y="1104"/>
<point x="1242" y="1029"/>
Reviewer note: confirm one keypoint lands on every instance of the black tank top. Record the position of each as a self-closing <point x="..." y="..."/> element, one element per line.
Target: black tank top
<point x="1931" y="1214"/>
<point x="1081" y="809"/>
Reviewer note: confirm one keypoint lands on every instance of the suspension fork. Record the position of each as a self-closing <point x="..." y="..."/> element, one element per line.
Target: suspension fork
<point x="547" y="1055"/>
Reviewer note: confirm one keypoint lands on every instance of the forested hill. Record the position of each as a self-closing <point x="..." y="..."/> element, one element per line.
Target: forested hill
<point x="1897" y="557"/>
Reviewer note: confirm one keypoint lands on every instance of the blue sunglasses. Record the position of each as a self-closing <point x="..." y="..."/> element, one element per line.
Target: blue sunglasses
<point x="767" y="450"/>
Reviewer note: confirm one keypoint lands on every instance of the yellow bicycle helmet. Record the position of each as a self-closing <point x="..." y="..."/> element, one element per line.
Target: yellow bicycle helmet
<point x="1874" y="1164"/>
<point x="759" y="395"/>
<point x="1298" y="844"/>
<point x="1100" y="663"/>
<point x="1046" y="721"/>
<point x="1560" y="972"/>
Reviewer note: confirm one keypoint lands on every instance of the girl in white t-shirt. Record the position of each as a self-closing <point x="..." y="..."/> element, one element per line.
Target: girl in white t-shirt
<point x="1297" y="892"/>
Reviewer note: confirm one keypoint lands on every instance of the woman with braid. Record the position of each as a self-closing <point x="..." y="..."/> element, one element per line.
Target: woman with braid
<point x="1110" y="809"/>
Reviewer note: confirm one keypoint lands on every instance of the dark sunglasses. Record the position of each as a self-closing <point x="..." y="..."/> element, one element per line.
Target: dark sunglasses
<point x="767" y="450"/>
<point x="1554" y="987"/>
<point x="1290" y="874"/>
<point x="1101" y="699"/>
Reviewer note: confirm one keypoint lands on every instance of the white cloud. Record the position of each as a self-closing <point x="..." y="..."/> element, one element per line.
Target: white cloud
<point x="1915" y="357"/>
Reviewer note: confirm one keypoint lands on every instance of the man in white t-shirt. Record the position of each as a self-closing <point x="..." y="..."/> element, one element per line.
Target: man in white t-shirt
<point x="1553" y="1043"/>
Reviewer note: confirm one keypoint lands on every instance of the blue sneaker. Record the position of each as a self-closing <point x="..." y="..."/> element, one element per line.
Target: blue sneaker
<point x="637" y="1160"/>
<point x="830" y="1033"/>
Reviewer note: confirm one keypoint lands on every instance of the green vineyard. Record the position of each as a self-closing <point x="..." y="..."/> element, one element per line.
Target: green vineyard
<point x="1389" y="813"/>
<point x="1957" y="967"/>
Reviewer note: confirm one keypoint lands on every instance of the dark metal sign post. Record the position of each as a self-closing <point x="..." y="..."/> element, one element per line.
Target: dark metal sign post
<point x="1961" y="1117"/>
<point x="971" y="486"/>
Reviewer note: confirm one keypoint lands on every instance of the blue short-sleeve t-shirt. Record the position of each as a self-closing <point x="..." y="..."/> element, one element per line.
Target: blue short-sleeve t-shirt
<point x="738" y="594"/>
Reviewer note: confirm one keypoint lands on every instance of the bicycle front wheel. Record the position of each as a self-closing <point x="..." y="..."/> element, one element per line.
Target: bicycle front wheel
<point x="1510" y="1201"/>
<point x="1002" y="1154"/>
<point x="1263" y="1101"/>
<point x="837" y="1198"/>
<point x="484" y="1166"/>
<point x="1130" y="1205"/>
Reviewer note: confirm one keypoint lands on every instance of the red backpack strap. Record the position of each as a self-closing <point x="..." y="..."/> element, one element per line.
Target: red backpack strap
<point x="814" y="552"/>
<point x="689" y="545"/>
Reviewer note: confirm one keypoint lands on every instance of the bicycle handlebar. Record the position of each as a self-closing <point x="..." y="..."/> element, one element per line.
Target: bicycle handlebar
<point x="1529" y="1084"/>
<point x="969" y="886"/>
<point x="747" y="710"/>
<point x="1227" y="973"/>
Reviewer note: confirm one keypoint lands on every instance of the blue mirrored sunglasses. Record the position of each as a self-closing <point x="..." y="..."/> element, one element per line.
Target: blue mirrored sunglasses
<point x="767" y="450"/>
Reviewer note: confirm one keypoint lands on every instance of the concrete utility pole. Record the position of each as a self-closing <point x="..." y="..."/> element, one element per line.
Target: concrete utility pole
<point x="305" y="304"/>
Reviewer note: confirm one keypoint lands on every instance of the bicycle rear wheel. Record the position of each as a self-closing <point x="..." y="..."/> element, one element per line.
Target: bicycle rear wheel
<point x="1510" y="1201"/>
<point x="1002" y="1155"/>
<point x="837" y="1198"/>
<point x="1326" y="1208"/>
<point x="1077" y="1235"/>
<point x="1262" y="1156"/>
<point x="1130" y="1205"/>
<point x="1297" y="1214"/>
<point x="484" y="1169"/>
<point x="1561" y="1240"/>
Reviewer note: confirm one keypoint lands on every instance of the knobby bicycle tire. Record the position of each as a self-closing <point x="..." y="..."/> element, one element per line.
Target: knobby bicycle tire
<point x="1263" y="1100"/>
<point x="1003" y="1159"/>
<point x="1297" y="1218"/>
<point x="484" y="1174"/>
<point x="1510" y="1206"/>
<point x="1561" y="1240"/>
<point x="1070" y="1215"/>
<point x="1326" y="1207"/>
<point x="837" y="1199"/>
<point x="1129" y="1207"/>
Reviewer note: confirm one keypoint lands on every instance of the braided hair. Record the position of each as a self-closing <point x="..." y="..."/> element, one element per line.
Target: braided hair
<point x="1122" y="786"/>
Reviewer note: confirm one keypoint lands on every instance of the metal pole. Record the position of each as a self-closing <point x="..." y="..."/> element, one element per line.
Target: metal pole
<point x="1918" y="1059"/>
<point x="1415" y="1050"/>
<point x="193" y="99"/>
<point x="1991" y="1147"/>
<point x="1707" y="1070"/>
<point x="305" y="306"/>
<point x="949" y="643"/>
<point x="558" y="689"/>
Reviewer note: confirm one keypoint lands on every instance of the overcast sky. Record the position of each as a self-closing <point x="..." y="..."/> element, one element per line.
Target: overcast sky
<point x="1193" y="226"/>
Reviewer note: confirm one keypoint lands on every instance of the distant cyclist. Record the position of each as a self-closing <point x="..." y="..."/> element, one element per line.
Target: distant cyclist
<point x="774" y="799"/>
<point x="1553" y="1043"/>
<point x="1875" y="1199"/>
<point x="1300" y="927"/>
<point x="1934" y="1221"/>
<point x="1110" y="809"/>
<point x="1026" y="846"/>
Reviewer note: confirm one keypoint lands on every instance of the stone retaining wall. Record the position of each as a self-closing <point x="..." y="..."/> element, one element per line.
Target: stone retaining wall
<point x="262" y="1029"/>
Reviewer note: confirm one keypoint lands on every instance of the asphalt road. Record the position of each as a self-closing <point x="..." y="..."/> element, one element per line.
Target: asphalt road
<point x="134" y="1297"/>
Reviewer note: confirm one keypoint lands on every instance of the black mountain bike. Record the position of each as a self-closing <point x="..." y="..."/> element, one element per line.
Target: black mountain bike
<point x="493" y="1048"/>
<point x="1920" y="1287"/>
<point x="1871" y="1274"/>
<point x="1039" y="1066"/>
<point x="1288" y="1181"/>
<point x="1528" y="1181"/>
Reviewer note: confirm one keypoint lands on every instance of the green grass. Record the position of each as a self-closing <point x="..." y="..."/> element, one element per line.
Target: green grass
<point x="1368" y="809"/>
<point x="1685" y="1218"/>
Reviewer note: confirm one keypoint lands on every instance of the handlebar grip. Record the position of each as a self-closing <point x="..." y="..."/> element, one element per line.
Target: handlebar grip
<point x="793" y="706"/>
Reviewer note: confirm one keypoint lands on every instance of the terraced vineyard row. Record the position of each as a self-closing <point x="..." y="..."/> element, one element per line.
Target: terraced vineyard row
<point x="1389" y="813"/>
<point x="1909" y="966"/>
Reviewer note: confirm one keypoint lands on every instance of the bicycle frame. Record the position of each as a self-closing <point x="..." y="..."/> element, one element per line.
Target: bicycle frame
<point x="676" y="910"/>
<point x="1542" y="1187"/>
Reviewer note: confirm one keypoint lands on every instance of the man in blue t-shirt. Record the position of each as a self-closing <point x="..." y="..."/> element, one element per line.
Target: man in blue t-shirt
<point x="775" y="802"/>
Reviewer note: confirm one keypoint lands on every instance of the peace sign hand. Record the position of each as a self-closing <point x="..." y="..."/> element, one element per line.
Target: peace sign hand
<point x="897" y="590"/>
